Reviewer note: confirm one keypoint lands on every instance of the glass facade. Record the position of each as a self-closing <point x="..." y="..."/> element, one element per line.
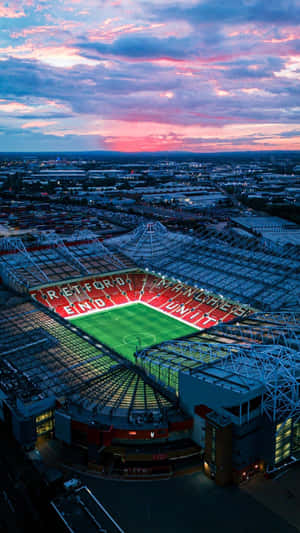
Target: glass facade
<point x="163" y="373"/>
<point x="283" y="442"/>
<point x="44" y="422"/>
<point x="213" y="445"/>
<point x="296" y="439"/>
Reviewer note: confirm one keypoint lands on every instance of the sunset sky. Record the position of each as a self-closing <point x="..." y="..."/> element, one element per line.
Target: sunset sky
<point x="134" y="75"/>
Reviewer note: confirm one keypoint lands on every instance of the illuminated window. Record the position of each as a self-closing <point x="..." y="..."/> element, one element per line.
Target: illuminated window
<point x="45" y="427"/>
<point x="283" y="441"/>
<point x="44" y="416"/>
<point x="45" y="422"/>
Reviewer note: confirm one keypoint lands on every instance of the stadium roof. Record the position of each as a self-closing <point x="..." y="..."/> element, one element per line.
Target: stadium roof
<point x="244" y="268"/>
<point x="263" y="328"/>
<point x="44" y="359"/>
<point x="264" y="364"/>
<point x="51" y="259"/>
<point x="148" y="241"/>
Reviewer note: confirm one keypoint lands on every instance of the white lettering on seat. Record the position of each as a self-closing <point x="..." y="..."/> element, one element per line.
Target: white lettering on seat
<point x="77" y="288"/>
<point x="225" y="306"/>
<point x="209" y="319"/>
<point x="183" y="310"/>
<point x="177" y="288"/>
<point x="66" y="291"/>
<point x="172" y="306"/>
<point x="107" y="283"/>
<point x="99" y="302"/>
<point x="199" y="297"/>
<point x="85" y="306"/>
<point x="188" y="292"/>
<point x="164" y="283"/>
<point x="238" y="311"/>
<point x="98" y="285"/>
<point x="68" y="309"/>
<point x="212" y="301"/>
<point x="52" y="295"/>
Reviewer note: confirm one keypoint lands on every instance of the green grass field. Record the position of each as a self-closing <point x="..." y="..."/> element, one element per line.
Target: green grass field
<point x="131" y="326"/>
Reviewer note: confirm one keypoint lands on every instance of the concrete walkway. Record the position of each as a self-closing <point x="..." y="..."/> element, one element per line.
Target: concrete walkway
<point x="281" y="495"/>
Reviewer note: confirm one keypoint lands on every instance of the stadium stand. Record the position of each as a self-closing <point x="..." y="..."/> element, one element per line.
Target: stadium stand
<point x="53" y="360"/>
<point x="195" y="306"/>
<point x="244" y="268"/>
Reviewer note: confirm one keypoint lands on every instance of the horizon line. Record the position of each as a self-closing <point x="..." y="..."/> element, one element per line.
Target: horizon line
<point x="146" y="152"/>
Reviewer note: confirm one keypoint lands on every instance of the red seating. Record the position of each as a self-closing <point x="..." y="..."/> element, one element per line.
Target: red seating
<point x="190" y="304"/>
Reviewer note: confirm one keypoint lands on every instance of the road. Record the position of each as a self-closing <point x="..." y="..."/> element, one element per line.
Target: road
<point x="190" y="504"/>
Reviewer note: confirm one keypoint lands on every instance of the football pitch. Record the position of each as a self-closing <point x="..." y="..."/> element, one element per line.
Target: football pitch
<point x="131" y="327"/>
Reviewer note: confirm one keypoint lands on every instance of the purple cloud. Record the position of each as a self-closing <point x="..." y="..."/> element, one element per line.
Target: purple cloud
<point x="200" y="66"/>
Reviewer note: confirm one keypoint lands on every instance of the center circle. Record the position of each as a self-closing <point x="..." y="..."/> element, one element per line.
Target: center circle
<point x="142" y="338"/>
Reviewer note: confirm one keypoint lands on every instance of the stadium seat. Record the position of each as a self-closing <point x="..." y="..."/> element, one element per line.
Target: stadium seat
<point x="194" y="306"/>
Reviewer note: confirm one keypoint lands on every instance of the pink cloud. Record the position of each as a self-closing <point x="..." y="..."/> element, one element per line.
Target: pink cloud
<point x="150" y="95"/>
<point x="11" y="107"/>
<point x="56" y="55"/>
<point x="10" y="12"/>
<point x="37" y="124"/>
<point x="148" y="143"/>
<point x="109" y="34"/>
<point x="159" y="143"/>
<point x="45" y="30"/>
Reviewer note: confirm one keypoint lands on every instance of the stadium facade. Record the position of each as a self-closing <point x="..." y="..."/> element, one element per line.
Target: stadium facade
<point x="226" y="394"/>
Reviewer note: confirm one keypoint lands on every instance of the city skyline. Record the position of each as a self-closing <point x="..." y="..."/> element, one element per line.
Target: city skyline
<point x="197" y="76"/>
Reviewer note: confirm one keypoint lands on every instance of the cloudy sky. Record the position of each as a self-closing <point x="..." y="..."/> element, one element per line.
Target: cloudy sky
<point x="141" y="75"/>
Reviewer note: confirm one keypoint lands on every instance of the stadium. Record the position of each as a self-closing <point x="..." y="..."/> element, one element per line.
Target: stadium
<point x="154" y="348"/>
